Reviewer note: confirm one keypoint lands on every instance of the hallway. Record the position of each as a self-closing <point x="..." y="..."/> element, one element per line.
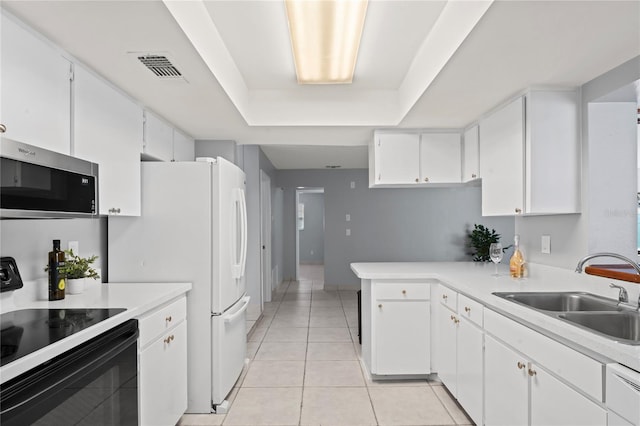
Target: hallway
<point x="304" y="370"/>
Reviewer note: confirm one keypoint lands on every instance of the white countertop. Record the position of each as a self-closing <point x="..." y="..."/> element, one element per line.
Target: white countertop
<point x="136" y="298"/>
<point x="475" y="280"/>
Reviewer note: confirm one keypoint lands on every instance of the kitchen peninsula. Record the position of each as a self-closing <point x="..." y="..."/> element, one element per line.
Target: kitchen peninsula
<point x="521" y="359"/>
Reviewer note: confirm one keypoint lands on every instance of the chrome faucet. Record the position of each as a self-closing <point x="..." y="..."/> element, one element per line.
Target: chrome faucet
<point x="623" y="296"/>
<point x="617" y="256"/>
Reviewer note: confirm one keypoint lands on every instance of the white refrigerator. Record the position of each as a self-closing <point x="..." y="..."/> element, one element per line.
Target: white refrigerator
<point x="193" y="228"/>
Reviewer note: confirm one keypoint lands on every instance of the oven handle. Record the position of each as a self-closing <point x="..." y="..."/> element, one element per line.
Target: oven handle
<point x="19" y="396"/>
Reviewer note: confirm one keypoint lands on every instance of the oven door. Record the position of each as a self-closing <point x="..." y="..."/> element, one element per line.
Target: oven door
<point x="93" y="384"/>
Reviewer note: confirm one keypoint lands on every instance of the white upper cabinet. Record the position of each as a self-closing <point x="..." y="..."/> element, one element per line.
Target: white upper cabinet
<point x="396" y="159"/>
<point x="158" y="138"/>
<point x="108" y="131"/>
<point x="413" y="159"/>
<point x="440" y="158"/>
<point x="183" y="147"/>
<point x="471" y="159"/>
<point x="36" y="106"/>
<point x="529" y="156"/>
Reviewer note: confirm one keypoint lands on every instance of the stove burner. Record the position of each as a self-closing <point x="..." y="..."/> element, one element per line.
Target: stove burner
<point x="28" y="330"/>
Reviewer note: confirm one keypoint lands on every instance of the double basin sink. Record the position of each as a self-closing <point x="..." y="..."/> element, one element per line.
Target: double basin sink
<point x="598" y="314"/>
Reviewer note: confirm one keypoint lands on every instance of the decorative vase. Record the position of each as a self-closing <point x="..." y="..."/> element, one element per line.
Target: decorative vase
<point x="75" y="286"/>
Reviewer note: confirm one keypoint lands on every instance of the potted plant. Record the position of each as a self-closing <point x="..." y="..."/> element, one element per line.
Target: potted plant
<point x="76" y="270"/>
<point x="479" y="241"/>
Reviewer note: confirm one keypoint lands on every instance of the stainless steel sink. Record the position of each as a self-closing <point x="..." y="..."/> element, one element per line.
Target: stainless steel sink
<point x="562" y="301"/>
<point x="597" y="314"/>
<point x="623" y="326"/>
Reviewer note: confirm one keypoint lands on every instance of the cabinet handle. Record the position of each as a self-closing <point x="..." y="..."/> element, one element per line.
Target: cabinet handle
<point x="473" y="175"/>
<point x="114" y="210"/>
<point x="426" y="179"/>
<point x="417" y="180"/>
<point x="168" y="319"/>
<point x="467" y="309"/>
<point x="169" y="339"/>
<point x="532" y="372"/>
<point x="3" y="128"/>
<point x="518" y="210"/>
<point x="520" y="365"/>
<point x="404" y="291"/>
<point x="380" y="306"/>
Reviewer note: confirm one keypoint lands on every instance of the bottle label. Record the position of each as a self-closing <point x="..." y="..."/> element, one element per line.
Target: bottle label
<point x="61" y="284"/>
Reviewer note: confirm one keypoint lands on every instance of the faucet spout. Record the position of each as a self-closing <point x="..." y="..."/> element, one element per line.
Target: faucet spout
<point x="615" y="255"/>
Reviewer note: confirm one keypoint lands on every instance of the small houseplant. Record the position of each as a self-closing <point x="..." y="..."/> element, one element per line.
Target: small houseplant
<point x="479" y="241"/>
<point x="76" y="269"/>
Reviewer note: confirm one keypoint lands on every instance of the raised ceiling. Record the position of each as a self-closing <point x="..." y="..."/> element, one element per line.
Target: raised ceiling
<point x="242" y="86"/>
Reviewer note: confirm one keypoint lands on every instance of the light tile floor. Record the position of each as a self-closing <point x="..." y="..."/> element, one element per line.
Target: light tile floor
<point x="304" y="370"/>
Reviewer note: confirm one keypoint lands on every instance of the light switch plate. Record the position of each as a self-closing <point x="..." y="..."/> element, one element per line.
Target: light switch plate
<point x="348" y="217"/>
<point x="546" y="244"/>
<point x="348" y="232"/>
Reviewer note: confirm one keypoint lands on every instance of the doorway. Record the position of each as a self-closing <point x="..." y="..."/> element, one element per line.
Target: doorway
<point x="310" y="234"/>
<point x="265" y="237"/>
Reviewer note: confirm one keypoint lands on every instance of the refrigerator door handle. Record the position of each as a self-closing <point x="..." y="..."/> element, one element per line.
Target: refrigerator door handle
<point x="243" y="261"/>
<point x="238" y="238"/>
<point x="239" y="312"/>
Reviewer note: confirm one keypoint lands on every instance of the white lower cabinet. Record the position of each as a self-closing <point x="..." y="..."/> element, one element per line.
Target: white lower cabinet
<point x="459" y="350"/>
<point x="162" y="380"/>
<point x="520" y="388"/>
<point x="396" y="321"/>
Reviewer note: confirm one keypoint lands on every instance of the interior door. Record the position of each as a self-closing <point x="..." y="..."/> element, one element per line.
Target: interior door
<point x="265" y="236"/>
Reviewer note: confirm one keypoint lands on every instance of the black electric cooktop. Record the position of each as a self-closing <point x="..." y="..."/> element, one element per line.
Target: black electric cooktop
<point x="28" y="330"/>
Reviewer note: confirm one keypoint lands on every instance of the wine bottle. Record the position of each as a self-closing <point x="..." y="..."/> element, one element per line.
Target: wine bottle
<point x="56" y="282"/>
<point x="516" y="263"/>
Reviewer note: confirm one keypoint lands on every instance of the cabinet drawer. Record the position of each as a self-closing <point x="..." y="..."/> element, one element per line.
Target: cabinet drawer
<point x="583" y="372"/>
<point x="447" y="297"/>
<point x="160" y="320"/>
<point x="470" y="309"/>
<point x="402" y="291"/>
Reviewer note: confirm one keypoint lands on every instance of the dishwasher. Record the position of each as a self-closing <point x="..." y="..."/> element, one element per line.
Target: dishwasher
<point x="623" y="396"/>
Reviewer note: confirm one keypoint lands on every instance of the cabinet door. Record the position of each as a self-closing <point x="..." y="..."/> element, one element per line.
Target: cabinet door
<point x="469" y="369"/>
<point x="163" y="378"/>
<point x="446" y="349"/>
<point x="440" y="160"/>
<point x="158" y="138"/>
<point x="401" y="347"/>
<point x="397" y="158"/>
<point x="555" y="404"/>
<point x="471" y="163"/>
<point x="108" y="131"/>
<point x="505" y="385"/>
<point x="183" y="147"/>
<point x="502" y="160"/>
<point x="36" y="89"/>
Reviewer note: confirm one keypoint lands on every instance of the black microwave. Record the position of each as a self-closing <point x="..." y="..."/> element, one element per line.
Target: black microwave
<point x="38" y="183"/>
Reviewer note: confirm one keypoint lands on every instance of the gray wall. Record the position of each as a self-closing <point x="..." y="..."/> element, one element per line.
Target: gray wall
<point x="214" y="148"/>
<point x="30" y="240"/>
<point x="386" y="224"/>
<point x="571" y="234"/>
<point x="311" y="238"/>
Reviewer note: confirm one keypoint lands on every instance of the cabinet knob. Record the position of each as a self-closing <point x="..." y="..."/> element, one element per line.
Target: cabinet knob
<point x="417" y="180"/>
<point x="404" y="291"/>
<point x="168" y="319"/>
<point x="520" y="365"/>
<point x="467" y="309"/>
<point x="379" y="176"/>
<point x="518" y="210"/>
<point x="444" y="296"/>
<point x="380" y="306"/>
<point x="473" y="175"/>
<point x="3" y="128"/>
<point x="169" y="339"/>
<point x="426" y="179"/>
<point x="532" y="372"/>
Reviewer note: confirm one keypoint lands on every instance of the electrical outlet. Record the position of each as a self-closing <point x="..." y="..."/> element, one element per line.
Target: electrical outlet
<point x="546" y="244"/>
<point x="353" y="184"/>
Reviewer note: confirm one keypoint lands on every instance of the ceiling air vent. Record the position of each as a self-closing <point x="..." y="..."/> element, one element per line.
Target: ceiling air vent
<point x="160" y="66"/>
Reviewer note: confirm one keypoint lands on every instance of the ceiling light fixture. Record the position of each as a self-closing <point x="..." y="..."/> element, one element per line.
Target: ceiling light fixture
<point x="325" y="36"/>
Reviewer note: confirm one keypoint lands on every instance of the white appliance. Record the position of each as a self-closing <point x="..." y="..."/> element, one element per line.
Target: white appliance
<point x="623" y="396"/>
<point x="193" y="228"/>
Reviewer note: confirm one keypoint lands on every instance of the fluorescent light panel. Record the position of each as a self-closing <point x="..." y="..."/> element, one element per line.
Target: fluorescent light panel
<point x="325" y="36"/>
